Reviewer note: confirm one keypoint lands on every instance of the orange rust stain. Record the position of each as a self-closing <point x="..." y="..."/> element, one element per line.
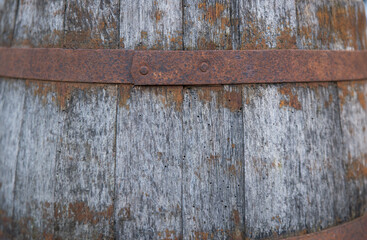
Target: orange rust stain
<point x="212" y="159"/>
<point x="228" y="99"/>
<point x="361" y="99"/>
<point x="170" y="96"/>
<point x="143" y="34"/>
<point x="213" y="12"/>
<point x="81" y="213"/>
<point x="350" y="89"/>
<point x="342" y="23"/>
<point x="232" y="170"/>
<point x="237" y="234"/>
<point x="158" y="15"/>
<point x="327" y="103"/>
<point x="205" y="93"/>
<point x="286" y="40"/>
<point x="203" y="235"/>
<point x="62" y="92"/>
<point x="306" y="33"/>
<point x="357" y="168"/>
<point x="203" y="44"/>
<point x="233" y="100"/>
<point x="253" y="38"/>
<point x="292" y="99"/>
<point x="124" y="95"/>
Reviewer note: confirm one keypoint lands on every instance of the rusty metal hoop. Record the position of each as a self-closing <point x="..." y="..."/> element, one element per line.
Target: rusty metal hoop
<point x="182" y="67"/>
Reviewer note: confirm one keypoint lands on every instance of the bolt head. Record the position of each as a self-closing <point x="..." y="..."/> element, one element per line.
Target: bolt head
<point x="144" y="70"/>
<point x="204" y="66"/>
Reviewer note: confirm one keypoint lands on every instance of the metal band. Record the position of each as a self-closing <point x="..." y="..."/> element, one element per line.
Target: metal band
<point x="356" y="230"/>
<point x="182" y="67"/>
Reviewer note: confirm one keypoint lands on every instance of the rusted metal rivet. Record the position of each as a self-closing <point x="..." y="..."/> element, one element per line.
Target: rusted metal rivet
<point x="144" y="70"/>
<point x="204" y="67"/>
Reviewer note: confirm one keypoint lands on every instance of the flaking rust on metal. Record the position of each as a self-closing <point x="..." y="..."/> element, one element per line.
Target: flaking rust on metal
<point x="182" y="67"/>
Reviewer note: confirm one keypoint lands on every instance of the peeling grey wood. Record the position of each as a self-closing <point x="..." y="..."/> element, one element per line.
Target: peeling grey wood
<point x="92" y="24"/>
<point x="147" y="24"/>
<point x="294" y="170"/>
<point x="210" y="24"/>
<point x="148" y="163"/>
<point x="11" y="114"/>
<point x="85" y="162"/>
<point x="213" y="170"/>
<point x="39" y="24"/>
<point x="8" y="11"/>
<point x="353" y="112"/>
<point x="34" y="180"/>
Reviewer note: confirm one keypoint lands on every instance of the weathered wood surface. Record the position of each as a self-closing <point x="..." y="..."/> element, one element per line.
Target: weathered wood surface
<point x="147" y="24"/>
<point x="213" y="170"/>
<point x="353" y="112"/>
<point x="39" y="24"/>
<point x="148" y="202"/>
<point x="91" y="24"/>
<point x="11" y="114"/>
<point x="85" y="162"/>
<point x="8" y="11"/>
<point x="148" y="163"/>
<point x="90" y="161"/>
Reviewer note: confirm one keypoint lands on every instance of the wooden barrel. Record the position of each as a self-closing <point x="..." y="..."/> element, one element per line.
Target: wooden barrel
<point x="104" y="161"/>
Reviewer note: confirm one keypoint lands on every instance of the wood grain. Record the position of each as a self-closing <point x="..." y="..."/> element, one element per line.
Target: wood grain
<point x="147" y="24"/>
<point x="211" y="24"/>
<point x="85" y="163"/>
<point x="8" y="12"/>
<point x="293" y="139"/>
<point x="35" y="176"/>
<point x="11" y="113"/>
<point x="148" y="163"/>
<point x="149" y="131"/>
<point x="91" y="24"/>
<point x="294" y="172"/>
<point x="353" y="113"/>
<point x="213" y="169"/>
<point x="39" y="24"/>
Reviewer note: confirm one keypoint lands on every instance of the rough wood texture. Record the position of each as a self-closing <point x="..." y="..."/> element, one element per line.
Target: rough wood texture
<point x="147" y="24"/>
<point x="85" y="167"/>
<point x="91" y="24"/>
<point x="148" y="163"/>
<point x="35" y="177"/>
<point x="284" y="171"/>
<point x="8" y="10"/>
<point x="213" y="170"/>
<point x="149" y="131"/>
<point x="11" y="114"/>
<point x="251" y="161"/>
<point x="267" y="24"/>
<point x="210" y="24"/>
<point x="353" y="112"/>
<point x="39" y="24"/>
<point x="339" y="24"/>
<point x="85" y="162"/>
<point x="294" y="174"/>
